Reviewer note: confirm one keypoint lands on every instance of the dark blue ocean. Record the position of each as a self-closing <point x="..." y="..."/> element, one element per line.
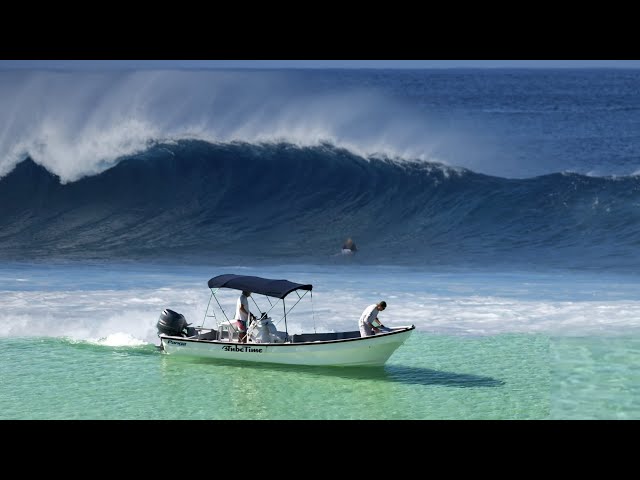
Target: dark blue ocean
<point x="472" y="168"/>
<point x="497" y="210"/>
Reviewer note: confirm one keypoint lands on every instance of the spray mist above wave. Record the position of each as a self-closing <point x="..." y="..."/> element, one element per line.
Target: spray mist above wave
<point x="79" y="124"/>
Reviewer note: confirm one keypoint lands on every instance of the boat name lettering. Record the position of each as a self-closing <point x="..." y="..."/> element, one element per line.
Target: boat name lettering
<point x="173" y="342"/>
<point x="236" y="348"/>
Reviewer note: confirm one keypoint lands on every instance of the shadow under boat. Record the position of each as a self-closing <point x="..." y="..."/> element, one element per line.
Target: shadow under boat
<point x="386" y="373"/>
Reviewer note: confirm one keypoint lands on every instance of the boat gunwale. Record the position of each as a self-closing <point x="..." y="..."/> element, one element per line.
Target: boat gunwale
<point x="289" y="344"/>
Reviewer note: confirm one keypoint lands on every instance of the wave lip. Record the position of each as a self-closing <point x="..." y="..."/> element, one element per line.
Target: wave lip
<point x="78" y="123"/>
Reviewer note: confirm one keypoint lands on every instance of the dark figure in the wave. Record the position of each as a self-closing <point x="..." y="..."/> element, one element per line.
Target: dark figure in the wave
<point x="349" y="246"/>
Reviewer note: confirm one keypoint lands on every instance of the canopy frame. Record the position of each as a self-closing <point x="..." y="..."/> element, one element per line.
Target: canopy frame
<point x="263" y="286"/>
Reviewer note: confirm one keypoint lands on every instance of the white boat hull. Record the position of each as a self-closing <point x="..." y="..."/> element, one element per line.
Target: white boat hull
<point x="366" y="351"/>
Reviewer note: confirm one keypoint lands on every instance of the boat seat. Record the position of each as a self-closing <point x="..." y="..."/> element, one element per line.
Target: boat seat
<point x="228" y="331"/>
<point x="210" y="335"/>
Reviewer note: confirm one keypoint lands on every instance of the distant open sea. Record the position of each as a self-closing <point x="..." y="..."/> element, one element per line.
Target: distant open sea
<point x="497" y="210"/>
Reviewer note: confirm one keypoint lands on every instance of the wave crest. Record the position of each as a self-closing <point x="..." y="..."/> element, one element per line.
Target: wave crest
<point x="280" y="202"/>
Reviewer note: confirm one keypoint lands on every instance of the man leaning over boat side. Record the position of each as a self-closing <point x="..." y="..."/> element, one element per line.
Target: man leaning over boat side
<point x="369" y="323"/>
<point x="242" y="315"/>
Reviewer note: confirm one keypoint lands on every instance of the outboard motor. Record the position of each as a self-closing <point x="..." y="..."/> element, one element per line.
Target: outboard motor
<point x="174" y="324"/>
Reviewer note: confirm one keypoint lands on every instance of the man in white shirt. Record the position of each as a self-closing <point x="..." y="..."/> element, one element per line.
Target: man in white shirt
<point x="242" y="315"/>
<point x="369" y="323"/>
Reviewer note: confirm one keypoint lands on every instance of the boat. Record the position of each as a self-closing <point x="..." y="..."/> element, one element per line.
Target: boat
<point x="264" y="341"/>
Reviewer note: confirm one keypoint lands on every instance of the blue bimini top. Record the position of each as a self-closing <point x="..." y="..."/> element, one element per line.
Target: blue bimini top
<point x="262" y="286"/>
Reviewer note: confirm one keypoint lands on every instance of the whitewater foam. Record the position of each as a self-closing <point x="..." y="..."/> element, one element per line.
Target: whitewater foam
<point x="78" y="124"/>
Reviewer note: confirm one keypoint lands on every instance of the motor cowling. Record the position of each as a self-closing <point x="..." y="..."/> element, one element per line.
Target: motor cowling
<point x="173" y="324"/>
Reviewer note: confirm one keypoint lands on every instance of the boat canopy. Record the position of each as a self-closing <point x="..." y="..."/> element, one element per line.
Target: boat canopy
<point x="262" y="286"/>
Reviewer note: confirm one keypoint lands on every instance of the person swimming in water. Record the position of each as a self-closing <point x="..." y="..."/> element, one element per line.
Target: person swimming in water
<point x="349" y="246"/>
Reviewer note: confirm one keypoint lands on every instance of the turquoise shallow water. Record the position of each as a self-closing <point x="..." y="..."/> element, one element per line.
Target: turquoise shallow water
<point x="595" y="378"/>
<point x="430" y="377"/>
<point x="79" y="343"/>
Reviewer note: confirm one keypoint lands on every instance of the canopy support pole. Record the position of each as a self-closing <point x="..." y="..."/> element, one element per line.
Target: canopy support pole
<point x="207" y="310"/>
<point x="284" y="308"/>
<point x="313" y="313"/>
